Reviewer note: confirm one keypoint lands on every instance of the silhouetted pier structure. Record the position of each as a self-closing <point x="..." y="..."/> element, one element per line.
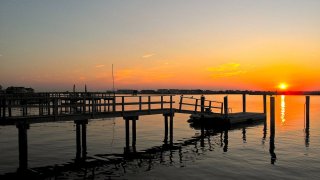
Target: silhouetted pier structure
<point x="24" y="109"/>
<point x="44" y="107"/>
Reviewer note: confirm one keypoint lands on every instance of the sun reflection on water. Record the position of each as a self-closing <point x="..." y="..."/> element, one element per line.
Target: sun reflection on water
<point x="283" y="109"/>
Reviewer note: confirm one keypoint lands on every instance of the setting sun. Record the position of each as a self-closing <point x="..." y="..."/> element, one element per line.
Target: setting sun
<point x="283" y="86"/>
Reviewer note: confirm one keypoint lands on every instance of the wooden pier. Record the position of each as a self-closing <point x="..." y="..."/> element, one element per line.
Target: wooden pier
<point x="47" y="107"/>
<point x="24" y="109"/>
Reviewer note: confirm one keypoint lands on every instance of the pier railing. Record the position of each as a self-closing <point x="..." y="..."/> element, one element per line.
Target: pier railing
<point x="200" y="105"/>
<point x="26" y="105"/>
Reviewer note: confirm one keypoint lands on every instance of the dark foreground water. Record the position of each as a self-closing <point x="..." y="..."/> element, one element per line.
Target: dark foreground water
<point x="241" y="152"/>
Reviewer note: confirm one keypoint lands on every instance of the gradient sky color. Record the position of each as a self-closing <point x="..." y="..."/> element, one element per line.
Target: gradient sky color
<point x="187" y="44"/>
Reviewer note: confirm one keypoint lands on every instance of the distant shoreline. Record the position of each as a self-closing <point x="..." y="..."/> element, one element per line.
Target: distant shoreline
<point x="22" y="90"/>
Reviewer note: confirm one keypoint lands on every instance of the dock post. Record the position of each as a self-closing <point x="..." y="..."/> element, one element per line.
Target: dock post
<point x="114" y="103"/>
<point x="9" y="108"/>
<point x="202" y="120"/>
<point x="84" y="138"/>
<point x="165" y="129"/>
<point x="202" y="104"/>
<point x="40" y="107"/>
<point x="272" y="130"/>
<point x="171" y="128"/>
<point x="171" y="101"/>
<point x="161" y="102"/>
<point x="166" y="115"/>
<point x="265" y="104"/>
<point x="134" y="134"/>
<point x="84" y="104"/>
<point x="78" y="140"/>
<point x="127" y="134"/>
<point x="122" y="103"/>
<point x="140" y="103"/>
<point x="23" y="144"/>
<point x="0" y="108"/>
<point x="127" y="131"/>
<point x="104" y="105"/>
<point x="2" y="114"/>
<point x="48" y="106"/>
<point x="225" y="103"/>
<point x="149" y="103"/>
<point x="26" y="108"/>
<point x="307" y="111"/>
<point x="180" y="104"/>
<point x="272" y="116"/>
<point x="55" y="107"/>
<point x="244" y="103"/>
<point x="4" y="108"/>
<point x="93" y="108"/>
<point x="81" y="138"/>
<point x="108" y="105"/>
<point x="196" y="106"/>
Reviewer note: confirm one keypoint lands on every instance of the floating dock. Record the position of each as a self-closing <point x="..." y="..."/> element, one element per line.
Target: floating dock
<point x="216" y="119"/>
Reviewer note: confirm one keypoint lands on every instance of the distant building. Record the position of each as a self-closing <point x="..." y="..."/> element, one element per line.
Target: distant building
<point x="12" y="90"/>
<point x="163" y="91"/>
<point x="148" y="91"/>
<point x="126" y="91"/>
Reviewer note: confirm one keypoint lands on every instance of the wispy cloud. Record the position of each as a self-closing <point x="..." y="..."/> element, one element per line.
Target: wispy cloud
<point x="148" y="55"/>
<point x="100" y="65"/>
<point x="226" y="70"/>
<point x="0" y="55"/>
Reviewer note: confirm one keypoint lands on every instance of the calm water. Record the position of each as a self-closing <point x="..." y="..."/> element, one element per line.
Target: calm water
<point x="237" y="153"/>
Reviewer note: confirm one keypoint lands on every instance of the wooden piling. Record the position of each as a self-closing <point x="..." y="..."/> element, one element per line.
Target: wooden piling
<point x="171" y="102"/>
<point x="171" y="129"/>
<point x="202" y="104"/>
<point x="180" y="104"/>
<point x="23" y="144"/>
<point x="196" y="106"/>
<point x="140" y="103"/>
<point x="49" y="106"/>
<point x="127" y="133"/>
<point x="226" y="108"/>
<point x="9" y="108"/>
<point x="84" y="104"/>
<point x="307" y="111"/>
<point x="265" y="104"/>
<point x="3" y="108"/>
<point x="134" y="134"/>
<point x="149" y="103"/>
<point x="114" y="104"/>
<point x="55" y="107"/>
<point x="84" y="138"/>
<point x="0" y="108"/>
<point x="122" y="103"/>
<point x="161" y="102"/>
<point x="244" y="103"/>
<point x="272" y="116"/>
<point x="78" y="140"/>
<point x="93" y="107"/>
<point x="165" y="129"/>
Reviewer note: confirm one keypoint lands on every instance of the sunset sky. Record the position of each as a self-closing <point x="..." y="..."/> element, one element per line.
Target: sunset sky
<point x="187" y="44"/>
